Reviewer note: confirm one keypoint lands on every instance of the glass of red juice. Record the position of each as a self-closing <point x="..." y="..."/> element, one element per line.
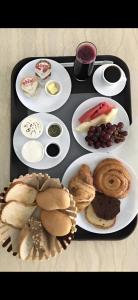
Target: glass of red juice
<point x="84" y="61"/>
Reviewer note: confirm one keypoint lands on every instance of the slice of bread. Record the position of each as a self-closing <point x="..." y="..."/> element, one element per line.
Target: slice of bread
<point x="16" y="214"/>
<point x="96" y="221"/>
<point x="21" y="192"/>
<point x="25" y="243"/>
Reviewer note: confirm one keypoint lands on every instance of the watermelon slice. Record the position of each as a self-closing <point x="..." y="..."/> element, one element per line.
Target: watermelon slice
<point x="99" y="109"/>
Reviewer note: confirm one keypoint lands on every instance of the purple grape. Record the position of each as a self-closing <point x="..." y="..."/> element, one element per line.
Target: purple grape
<point x="108" y="143"/>
<point x="113" y="127"/>
<point x="90" y="143"/>
<point x="117" y="141"/>
<point x="103" y="145"/>
<point x="87" y="138"/>
<point x="102" y="126"/>
<point x="107" y="137"/>
<point x="122" y="139"/>
<point x="96" y="146"/>
<point x="124" y="133"/>
<point x="120" y="125"/>
<point x="103" y="133"/>
<point x="108" y="125"/>
<point x="110" y="131"/>
<point x="95" y="138"/>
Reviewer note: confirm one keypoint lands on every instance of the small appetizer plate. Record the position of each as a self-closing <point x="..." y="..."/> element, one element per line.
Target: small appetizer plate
<point x="52" y="155"/>
<point x="42" y="102"/>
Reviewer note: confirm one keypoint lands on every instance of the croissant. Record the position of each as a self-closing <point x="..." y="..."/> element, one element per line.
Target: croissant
<point x="81" y="187"/>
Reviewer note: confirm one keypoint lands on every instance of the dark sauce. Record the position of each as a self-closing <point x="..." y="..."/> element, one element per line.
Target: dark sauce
<point x="53" y="150"/>
<point x="112" y="74"/>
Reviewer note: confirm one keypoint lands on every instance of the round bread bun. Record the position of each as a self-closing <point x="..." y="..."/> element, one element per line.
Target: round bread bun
<point x="56" y="222"/>
<point x="53" y="198"/>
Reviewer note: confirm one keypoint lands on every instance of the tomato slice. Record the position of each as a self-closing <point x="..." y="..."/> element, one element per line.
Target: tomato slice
<point x="99" y="109"/>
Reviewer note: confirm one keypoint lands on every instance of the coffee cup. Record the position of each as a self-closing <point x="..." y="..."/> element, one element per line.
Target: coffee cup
<point x="113" y="75"/>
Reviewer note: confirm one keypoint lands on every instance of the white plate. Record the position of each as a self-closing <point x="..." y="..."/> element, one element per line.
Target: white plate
<point x="104" y="89"/>
<point x="86" y="105"/>
<point x="47" y="162"/>
<point x="129" y="205"/>
<point x="42" y="102"/>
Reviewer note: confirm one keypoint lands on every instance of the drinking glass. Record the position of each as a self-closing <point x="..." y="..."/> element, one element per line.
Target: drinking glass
<point x="84" y="61"/>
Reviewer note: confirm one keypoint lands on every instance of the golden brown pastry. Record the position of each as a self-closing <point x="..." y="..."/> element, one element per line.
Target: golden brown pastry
<point x="80" y="186"/>
<point x="56" y="222"/>
<point x="53" y="198"/>
<point x="112" y="178"/>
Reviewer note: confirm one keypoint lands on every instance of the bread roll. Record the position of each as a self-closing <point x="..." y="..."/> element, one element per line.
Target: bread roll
<point x="21" y="192"/>
<point x="53" y="198"/>
<point x="56" y="222"/>
<point x="16" y="214"/>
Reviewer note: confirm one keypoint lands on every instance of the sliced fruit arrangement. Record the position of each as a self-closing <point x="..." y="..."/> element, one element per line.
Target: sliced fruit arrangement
<point x="101" y="113"/>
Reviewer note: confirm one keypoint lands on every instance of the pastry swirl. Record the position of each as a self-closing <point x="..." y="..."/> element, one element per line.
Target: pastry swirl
<point x="112" y="178"/>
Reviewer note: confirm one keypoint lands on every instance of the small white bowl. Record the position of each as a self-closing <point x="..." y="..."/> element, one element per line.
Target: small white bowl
<point x="32" y="151"/>
<point x="52" y="123"/>
<point x="58" y="85"/>
<point x="31" y="124"/>
<point x="50" y="156"/>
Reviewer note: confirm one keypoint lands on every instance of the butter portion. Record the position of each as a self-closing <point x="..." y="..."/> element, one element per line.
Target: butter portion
<point x="52" y="88"/>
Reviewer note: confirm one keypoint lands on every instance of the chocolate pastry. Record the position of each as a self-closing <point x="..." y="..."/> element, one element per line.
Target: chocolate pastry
<point x="105" y="207"/>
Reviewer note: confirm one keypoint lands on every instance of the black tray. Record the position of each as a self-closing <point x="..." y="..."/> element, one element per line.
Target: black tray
<point x="80" y="91"/>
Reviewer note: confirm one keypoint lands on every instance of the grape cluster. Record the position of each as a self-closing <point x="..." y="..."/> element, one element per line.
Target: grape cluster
<point x="105" y="135"/>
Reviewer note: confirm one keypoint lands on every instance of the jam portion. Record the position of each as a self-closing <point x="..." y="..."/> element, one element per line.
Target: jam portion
<point x="53" y="150"/>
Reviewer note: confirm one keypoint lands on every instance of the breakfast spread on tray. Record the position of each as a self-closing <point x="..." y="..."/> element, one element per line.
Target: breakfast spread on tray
<point x="37" y="212"/>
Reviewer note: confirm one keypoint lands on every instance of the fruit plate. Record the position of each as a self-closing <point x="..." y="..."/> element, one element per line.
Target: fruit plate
<point x="85" y="106"/>
<point x="81" y="91"/>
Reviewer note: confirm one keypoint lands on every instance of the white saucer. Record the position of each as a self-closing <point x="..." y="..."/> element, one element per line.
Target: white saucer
<point x="42" y="102"/>
<point x="47" y="162"/>
<point x="104" y="89"/>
